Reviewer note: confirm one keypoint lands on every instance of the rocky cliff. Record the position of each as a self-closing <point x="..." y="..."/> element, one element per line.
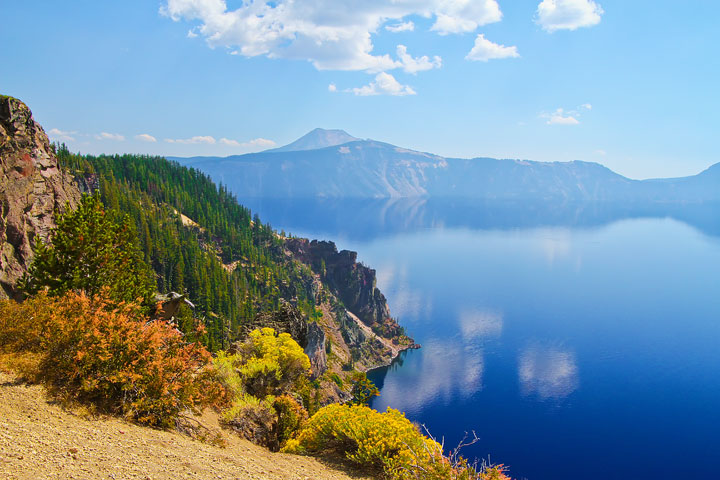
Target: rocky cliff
<point x="355" y="316"/>
<point x="354" y="283"/>
<point x="32" y="190"/>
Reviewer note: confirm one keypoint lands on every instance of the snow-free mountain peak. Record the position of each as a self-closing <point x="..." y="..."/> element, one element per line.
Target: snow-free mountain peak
<point x="318" y="138"/>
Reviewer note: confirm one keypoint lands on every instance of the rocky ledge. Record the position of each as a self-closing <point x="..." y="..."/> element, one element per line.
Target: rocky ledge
<point x="32" y="189"/>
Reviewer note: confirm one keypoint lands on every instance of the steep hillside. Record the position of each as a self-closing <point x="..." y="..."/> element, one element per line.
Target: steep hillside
<point x="371" y="169"/>
<point x="235" y="270"/>
<point x="41" y="440"/>
<point x="240" y="273"/>
<point x="32" y="188"/>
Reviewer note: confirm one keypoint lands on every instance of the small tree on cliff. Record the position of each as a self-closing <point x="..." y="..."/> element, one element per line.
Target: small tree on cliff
<point x="91" y="248"/>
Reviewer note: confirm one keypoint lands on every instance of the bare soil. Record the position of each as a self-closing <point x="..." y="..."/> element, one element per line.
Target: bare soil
<point x="42" y="440"/>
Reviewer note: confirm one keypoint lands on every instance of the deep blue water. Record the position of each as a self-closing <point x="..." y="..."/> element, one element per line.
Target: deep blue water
<point x="578" y="342"/>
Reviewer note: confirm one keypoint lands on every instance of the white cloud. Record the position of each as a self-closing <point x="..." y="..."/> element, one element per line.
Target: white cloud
<point x="414" y="65"/>
<point x="332" y="88"/>
<point x="461" y="16"/>
<point x="485" y="50"/>
<point x="553" y="15"/>
<point x="400" y="27"/>
<point x="561" y="117"/>
<point x="110" y="136"/>
<point x="62" y="135"/>
<point x="384" y="84"/>
<point x="146" y="138"/>
<point x="208" y="140"/>
<point x="260" y="142"/>
<point x="254" y="144"/>
<point x="232" y="143"/>
<point x="332" y="34"/>
<point x="566" y="117"/>
<point x="191" y="34"/>
<point x="600" y="152"/>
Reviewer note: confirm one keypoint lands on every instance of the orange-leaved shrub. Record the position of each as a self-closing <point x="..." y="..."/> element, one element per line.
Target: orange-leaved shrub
<point x="94" y="350"/>
<point x="385" y="442"/>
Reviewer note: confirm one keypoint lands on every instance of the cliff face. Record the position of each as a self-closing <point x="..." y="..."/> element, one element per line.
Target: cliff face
<point x="32" y="189"/>
<point x="353" y="283"/>
<point x="359" y="331"/>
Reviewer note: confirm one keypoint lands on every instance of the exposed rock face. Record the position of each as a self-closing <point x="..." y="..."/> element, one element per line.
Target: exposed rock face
<point x="32" y="190"/>
<point x="315" y="350"/>
<point x="287" y="319"/>
<point x="352" y="282"/>
<point x="170" y="304"/>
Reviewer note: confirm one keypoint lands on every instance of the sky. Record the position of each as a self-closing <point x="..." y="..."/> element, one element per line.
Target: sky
<point x="628" y="84"/>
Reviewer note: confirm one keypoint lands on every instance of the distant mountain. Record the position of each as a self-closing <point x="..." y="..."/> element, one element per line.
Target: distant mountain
<point x="318" y="138"/>
<point x="371" y="169"/>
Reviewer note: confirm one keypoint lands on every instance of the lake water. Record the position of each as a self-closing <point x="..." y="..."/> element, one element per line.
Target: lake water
<point x="578" y="342"/>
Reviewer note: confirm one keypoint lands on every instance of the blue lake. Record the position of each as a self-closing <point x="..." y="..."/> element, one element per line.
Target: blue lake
<point x="578" y="342"/>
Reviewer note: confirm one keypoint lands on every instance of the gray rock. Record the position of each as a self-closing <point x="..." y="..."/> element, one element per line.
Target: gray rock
<point x="315" y="350"/>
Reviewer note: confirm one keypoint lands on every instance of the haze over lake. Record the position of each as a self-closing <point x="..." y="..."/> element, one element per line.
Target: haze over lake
<point x="578" y="341"/>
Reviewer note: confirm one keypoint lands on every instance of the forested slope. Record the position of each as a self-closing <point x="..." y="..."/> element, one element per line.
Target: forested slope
<point x="238" y="271"/>
<point x="197" y="238"/>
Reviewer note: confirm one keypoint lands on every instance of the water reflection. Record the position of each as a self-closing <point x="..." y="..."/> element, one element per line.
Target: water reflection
<point x="634" y="302"/>
<point x="547" y="372"/>
<point x="364" y="219"/>
<point x="476" y="324"/>
<point x="434" y="381"/>
<point x="393" y="280"/>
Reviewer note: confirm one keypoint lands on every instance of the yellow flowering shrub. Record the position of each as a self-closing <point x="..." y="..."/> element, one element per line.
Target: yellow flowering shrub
<point x="258" y="378"/>
<point x="270" y="364"/>
<point x="386" y="442"/>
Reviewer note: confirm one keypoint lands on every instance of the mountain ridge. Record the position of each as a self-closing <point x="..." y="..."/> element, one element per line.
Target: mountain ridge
<point x="316" y="139"/>
<point x="373" y="169"/>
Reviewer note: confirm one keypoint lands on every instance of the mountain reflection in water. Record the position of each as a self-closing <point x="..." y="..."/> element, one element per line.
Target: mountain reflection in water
<point x="577" y="340"/>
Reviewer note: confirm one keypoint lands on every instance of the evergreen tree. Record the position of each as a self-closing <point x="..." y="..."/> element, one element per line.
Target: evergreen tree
<point x="90" y="249"/>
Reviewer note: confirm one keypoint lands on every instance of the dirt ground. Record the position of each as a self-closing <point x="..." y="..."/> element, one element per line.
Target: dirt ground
<point x="41" y="440"/>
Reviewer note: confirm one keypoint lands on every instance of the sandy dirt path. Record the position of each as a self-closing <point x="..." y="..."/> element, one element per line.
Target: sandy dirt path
<point x="41" y="440"/>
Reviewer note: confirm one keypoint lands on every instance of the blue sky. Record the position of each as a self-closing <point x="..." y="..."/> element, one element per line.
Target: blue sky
<point x="629" y="84"/>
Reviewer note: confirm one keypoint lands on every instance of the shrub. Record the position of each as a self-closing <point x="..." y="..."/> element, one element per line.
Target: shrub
<point x="254" y="420"/>
<point x="270" y="364"/>
<point x="96" y="351"/>
<point x="385" y="442"/>
<point x="362" y="389"/>
<point x="336" y="379"/>
<point x="266" y="365"/>
<point x="22" y="324"/>
<point x="291" y="417"/>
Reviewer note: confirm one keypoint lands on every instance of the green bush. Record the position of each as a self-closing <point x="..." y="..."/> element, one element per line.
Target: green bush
<point x="363" y="390"/>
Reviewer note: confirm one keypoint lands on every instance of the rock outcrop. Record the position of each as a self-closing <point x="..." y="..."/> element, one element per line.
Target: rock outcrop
<point x="352" y="282"/>
<point x="315" y="349"/>
<point x="32" y="189"/>
<point x="286" y="319"/>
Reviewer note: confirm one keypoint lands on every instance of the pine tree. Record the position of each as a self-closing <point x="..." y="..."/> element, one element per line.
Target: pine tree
<point x="91" y="249"/>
